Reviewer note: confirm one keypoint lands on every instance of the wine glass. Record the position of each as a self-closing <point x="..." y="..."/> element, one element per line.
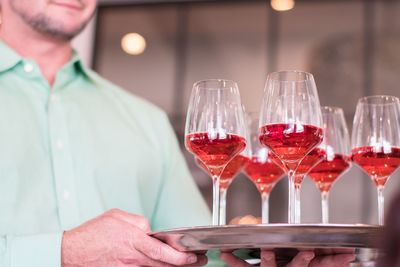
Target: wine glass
<point x="290" y="124"/>
<point x="263" y="168"/>
<point x="228" y="175"/>
<point x="215" y="129"/>
<point x="306" y="164"/>
<point x="336" y="161"/>
<point x="376" y="140"/>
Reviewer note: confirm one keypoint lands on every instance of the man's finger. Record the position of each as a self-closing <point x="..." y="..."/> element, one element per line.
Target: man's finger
<point x="156" y="250"/>
<point x="333" y="260"/>
<point x="202" y="260"/>
<point x="232" y="260"/>
<point x="268" y="258"/>
<point x="302" y="259"/>
<point x="149" y="263"/>
<point x="143" y="260"/>
<point x="344" y="259"/>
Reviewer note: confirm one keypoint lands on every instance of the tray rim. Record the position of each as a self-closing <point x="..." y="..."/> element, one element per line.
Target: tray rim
<point x="363" y="236"/>
<point x="270" y="225"/>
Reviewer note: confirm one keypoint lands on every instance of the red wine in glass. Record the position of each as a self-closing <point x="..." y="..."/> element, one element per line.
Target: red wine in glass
<point x="264" y="174"/>
<point x="229" y="172"/>
<point x="335" y="161"/>
<point x="376" y="141"/>
<point x="378" y="162"/>
<point x="290" y="123"/>
<point x="290" y="142"/>
<point x="215" y="151"/>
<point x="307" y="163"/>
<point x="264" y="171"/>
<point x="215" y="129"/>
<point x="325" y="173"/>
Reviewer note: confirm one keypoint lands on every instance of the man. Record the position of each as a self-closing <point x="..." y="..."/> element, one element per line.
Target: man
<point x="76" y="151"/>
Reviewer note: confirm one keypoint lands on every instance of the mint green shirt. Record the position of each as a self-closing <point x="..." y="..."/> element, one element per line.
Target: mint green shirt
<point x="72" y="151"/>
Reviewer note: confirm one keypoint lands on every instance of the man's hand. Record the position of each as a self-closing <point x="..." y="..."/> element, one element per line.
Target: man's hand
<point x="302" y="259"/>
<point x="118" y="239"/>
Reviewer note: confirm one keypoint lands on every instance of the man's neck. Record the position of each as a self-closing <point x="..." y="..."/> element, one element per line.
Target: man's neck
<point x="49" y="53"/>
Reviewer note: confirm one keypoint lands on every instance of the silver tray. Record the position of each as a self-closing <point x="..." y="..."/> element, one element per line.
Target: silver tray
<point x="232" y="237"/>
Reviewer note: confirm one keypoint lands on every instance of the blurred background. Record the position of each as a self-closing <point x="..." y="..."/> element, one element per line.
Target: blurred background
<point x="158" y="49"/>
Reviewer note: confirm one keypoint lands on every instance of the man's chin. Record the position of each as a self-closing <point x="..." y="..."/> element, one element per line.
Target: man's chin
<point x="58" y="28"/>
<point x="61" y="33"/>
<point x="65" y="22"/>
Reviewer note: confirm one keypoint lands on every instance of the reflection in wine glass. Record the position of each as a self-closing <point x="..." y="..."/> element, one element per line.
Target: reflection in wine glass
<point x="215" y="129"/>
<point x="290" y="124"/>
<point x="336" y="161"/>
<point x="376" y="140"/>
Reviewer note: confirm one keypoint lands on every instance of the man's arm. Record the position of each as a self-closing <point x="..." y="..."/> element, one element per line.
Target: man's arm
<point x="115" y="238"/>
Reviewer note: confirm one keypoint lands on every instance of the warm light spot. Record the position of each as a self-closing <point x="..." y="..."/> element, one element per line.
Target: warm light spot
<point x="282" y="5"/>
<point x="133" y="44"/>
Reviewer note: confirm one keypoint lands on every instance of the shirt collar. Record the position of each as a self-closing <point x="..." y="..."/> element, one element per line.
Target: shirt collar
<point x="75" y="65"/>
<point x="8" y="57"/>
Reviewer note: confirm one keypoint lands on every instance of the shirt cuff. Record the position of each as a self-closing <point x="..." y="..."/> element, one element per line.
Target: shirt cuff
<point x="36" y="250"/>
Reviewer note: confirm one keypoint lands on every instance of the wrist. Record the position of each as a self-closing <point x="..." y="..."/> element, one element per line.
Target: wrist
<point x="66" y="249"/>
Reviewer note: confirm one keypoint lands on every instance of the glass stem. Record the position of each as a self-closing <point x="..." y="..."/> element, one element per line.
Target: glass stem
<point x="291" y="209"/>
<point x="325" y="206"/>
<point x="215" y="212"/>
<point x="297" y="204"/>
<point x="381" y="205"/>
<point x="265" y="207"/>
<point x="222" y="207"/>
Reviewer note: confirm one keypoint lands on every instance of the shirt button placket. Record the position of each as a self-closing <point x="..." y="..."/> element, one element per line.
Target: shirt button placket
<point x="62" y="163"/>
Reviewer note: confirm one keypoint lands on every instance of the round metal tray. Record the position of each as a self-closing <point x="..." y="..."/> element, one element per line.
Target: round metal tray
<point x="298" y="236"/>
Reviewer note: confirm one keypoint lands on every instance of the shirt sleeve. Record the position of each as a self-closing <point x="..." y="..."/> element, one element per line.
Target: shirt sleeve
<point x="34" y="251"/>
<point x="179" y="203"/>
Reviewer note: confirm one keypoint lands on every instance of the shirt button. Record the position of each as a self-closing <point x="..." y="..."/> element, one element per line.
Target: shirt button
<point x="66" y="195"/>
<point x="28" y="68"/>
<point x="53" y="98"/>
<point x="59" y="144"/>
